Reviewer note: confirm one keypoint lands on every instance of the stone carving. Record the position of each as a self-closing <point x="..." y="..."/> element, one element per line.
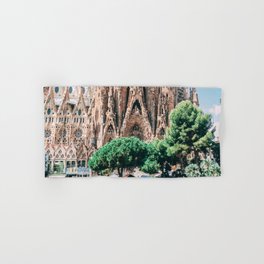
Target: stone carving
<point x="79" y="120"/>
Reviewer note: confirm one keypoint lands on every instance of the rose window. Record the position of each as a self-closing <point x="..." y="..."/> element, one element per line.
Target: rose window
<point x="78" y="133"/>
<point x="47" y="133"/>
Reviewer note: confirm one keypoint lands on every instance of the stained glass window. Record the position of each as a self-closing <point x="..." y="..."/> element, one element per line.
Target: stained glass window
<point x="78" y="133"/>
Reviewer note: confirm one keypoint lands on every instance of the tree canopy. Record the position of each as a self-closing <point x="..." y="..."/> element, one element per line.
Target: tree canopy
<point x="157" y="157"/>
<point x="189" y="131"/>
<point x="120" y="153"/>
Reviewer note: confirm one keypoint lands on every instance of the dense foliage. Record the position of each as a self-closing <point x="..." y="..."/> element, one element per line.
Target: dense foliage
<point x="157" y="157"/>
<point x="192" y="170"/>
<point x="207" y="167"/>
<point x="210" y="168"/>
<point x="119" y="154"/>
<point x="150" y="166"/>
<point x="189" y="131"/>
<point x="216" y="151"/>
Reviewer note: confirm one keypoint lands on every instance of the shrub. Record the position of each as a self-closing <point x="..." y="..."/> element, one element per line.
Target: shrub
<point x="210" y="168"/>
<point x="150" y="166"/>
<point x="192" y="170"/>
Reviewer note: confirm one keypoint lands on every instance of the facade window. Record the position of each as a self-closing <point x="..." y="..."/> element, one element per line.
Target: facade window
<point x="78" y="133"/>
<point x="56" y="89"/>
<point x="136" y="131"/>
<point x="63" y="133"/>
<point x="70" y="89"/>
<point x="135" y="128"/>
<point x="162" y="132"/>
<point x="136" y="109"/>
<point x="47" y="133"/>
<point x="110" y="129"/>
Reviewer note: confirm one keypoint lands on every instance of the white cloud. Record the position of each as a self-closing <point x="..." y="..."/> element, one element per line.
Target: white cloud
<point x="215" y="110"/>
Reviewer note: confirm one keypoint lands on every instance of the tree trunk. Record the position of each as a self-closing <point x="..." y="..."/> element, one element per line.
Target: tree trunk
<point x="122" y="169"/>
<point x="120" y="172"/>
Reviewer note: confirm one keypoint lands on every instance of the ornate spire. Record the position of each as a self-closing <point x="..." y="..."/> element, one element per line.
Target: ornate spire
<point x="194" y="98"/>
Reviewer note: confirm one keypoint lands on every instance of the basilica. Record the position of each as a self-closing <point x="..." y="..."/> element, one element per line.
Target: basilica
<point x="79" y="120"/>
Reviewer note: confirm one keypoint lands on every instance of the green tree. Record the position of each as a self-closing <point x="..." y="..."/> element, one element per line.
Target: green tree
<point x="119" y="154"/>
<point x="157" y="158"/>
<point x="189" y="131"/>
<point x="150" y="166"/>
<point x="216" y="151"/>
<point x="192" y="170"/>
<point x="161" y="155"/>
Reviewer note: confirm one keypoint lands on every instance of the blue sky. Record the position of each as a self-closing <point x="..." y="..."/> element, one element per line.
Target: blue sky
<point x="210" y="102"/>
<point x="208" y="97"/>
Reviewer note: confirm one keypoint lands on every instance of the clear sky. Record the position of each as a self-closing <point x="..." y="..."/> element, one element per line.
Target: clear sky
<point x="210" y="102"/>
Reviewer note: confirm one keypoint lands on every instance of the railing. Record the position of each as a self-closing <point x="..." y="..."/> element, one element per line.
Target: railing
<point x="79" y="172"/>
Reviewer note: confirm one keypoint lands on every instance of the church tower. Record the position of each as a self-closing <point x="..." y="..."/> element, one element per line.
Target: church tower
<point x="136" y="120"/>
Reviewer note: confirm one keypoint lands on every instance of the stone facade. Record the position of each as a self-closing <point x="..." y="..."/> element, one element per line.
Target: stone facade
<point x="79" y="120"/>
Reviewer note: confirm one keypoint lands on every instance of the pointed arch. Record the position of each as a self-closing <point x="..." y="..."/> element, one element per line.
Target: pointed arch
<point x="80" y="107"/>
<point x="110" y="129"/>
<point x="71" y="152"/>
<point x="136" y="114"/>
<point x="136" y="131"/>
<point x="49" y="150"/>
<point x="60" y="153"/>
<point x="136" y="108"/>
